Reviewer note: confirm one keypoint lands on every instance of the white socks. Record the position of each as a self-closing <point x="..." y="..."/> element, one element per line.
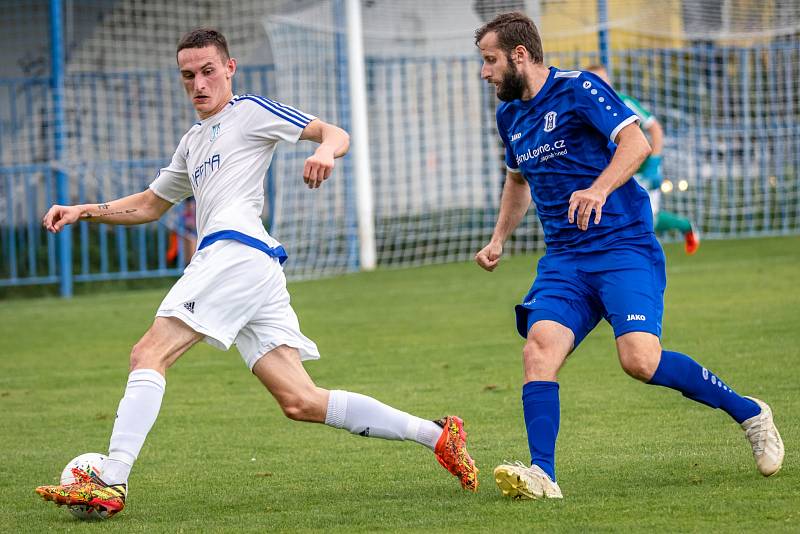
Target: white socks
<point x="357" y="413"/>
<point x="368" y="417"/>
<point x="136" y="414"/>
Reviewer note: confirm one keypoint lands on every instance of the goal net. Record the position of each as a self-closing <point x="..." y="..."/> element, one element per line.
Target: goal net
<point x="722" y="76"/>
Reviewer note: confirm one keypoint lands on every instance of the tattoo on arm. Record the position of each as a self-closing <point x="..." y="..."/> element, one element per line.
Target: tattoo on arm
<point x="96" y="215"/>
<point x="103" y="206"/>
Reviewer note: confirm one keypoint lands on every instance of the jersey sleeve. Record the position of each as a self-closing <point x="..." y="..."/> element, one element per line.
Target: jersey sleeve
<point x="172" y="182"/>
<point x="646" y="118"/>
<point x="599" y="105"/>
<point x="511" y="160"/>
<point x="269" y="120"/>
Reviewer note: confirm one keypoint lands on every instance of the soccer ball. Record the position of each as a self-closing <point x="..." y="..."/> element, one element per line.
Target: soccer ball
<point x="83" y="466"/>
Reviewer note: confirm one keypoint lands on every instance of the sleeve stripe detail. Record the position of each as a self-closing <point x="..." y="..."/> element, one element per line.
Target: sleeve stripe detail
<point x="286" y="109"/>
<point x="515" y="171"/>
<point x="622" y="125"/>
<point x="300" y="123"/>
<point x="277" y="112"/>
<point x="567" y="74"/>
<point x="289" y="110"/>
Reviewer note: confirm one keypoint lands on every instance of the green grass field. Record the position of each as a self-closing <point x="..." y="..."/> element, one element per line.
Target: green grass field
<point x="431" y="341"/>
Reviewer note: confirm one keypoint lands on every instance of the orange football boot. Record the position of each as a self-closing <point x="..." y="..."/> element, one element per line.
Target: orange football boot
<point x="691" y="242"/>
<point x="451" y="452"/>
<point x="87" y="491"/>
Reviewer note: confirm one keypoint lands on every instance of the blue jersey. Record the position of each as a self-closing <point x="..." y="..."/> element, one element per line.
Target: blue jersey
<point x="559" y="141"/>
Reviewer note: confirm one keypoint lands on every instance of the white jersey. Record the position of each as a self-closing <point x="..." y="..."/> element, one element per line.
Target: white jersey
<point x="222" y="161"/>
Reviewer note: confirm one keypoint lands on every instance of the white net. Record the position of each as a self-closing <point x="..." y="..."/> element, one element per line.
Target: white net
<point x="723" y="77"/>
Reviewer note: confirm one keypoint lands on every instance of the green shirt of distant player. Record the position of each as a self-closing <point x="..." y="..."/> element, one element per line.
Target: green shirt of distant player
<point x="646" y="118"/>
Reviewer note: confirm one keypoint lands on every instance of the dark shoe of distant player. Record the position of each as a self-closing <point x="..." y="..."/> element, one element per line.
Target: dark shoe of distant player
<point x="691" y="241"/>
<point x="107" y="500"/>
<point x="519" y="481"/>
<point x="451" y="451"/>
<point x="765" y="440"/>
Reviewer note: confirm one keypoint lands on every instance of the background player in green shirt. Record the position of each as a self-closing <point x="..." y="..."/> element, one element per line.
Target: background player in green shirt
<point x="649" y="174"/>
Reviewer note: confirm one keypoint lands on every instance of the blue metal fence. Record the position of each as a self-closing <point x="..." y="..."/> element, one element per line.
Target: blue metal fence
<point x="730" y="114"/>
<point x="30" y="254"/>
<point x="109" y="115"/>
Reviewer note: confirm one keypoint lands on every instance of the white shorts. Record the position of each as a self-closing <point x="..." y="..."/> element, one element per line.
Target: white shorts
<point x="655" y="201"/>
<point x="654" y="194"/>
<point x="233" y="293"/>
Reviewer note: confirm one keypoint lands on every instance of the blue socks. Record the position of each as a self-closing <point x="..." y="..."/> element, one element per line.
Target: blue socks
<point x="541" y="406"/>
<point x="678" y="371"/>
<point x="542" y="411"/>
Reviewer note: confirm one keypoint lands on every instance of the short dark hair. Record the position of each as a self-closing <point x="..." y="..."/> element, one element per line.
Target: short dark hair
<point x="203" y="37"/>
<point x="514" y="29"/>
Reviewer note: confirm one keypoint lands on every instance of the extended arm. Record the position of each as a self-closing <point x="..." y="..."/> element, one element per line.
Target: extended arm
<point x="632" y="149"/>
<point x="514" y="203"/>
<point x="138" y="208"/>
<point x="333" y="143"/>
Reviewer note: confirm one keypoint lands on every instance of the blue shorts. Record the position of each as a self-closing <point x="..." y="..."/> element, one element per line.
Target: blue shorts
<point x="623" y="284"/>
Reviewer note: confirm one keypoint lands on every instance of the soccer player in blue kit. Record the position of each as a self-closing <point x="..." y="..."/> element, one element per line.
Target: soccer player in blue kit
<point x="602" y="258"/>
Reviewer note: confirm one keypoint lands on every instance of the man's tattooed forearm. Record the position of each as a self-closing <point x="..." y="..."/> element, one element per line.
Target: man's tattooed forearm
<point x="96" y="215"/>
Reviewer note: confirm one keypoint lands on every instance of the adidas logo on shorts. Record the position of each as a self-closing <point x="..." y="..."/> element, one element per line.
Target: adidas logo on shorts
<point x="189" y="306"/>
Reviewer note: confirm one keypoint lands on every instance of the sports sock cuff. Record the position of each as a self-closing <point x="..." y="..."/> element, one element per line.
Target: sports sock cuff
<point x="116" y="470"/>
<point x="539" y="387"/>
<point x="148" y="375"/>
<point x="428" y="433"/>
<point x="122" y="457"/>
<point x="412" y="428"/>
<point x="337" y="408"/>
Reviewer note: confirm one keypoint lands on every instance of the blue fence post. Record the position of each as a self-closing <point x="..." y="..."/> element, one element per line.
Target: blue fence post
<point x="62" y="183"/>
<point x="602" y="33"/>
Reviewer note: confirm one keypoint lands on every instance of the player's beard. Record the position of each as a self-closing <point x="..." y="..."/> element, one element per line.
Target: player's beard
<point x="512" y="86"/>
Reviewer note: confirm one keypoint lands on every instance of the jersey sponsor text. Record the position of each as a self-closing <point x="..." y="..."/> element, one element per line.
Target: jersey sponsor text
<point x="546" y="151"/>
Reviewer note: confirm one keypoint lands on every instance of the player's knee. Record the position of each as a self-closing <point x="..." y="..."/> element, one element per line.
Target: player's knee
<point x="639" y="354"/>
<point x="640" y="364"/>
<point x="143" y="357"/>
<point x="298" y="407"/>
<point x="139" y="358"/>
<point x="293" y="410"/>
<point x="540" y="363"/>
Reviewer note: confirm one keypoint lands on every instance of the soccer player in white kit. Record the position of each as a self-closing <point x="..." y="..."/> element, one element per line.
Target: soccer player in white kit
<point x="234" y="291"/>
